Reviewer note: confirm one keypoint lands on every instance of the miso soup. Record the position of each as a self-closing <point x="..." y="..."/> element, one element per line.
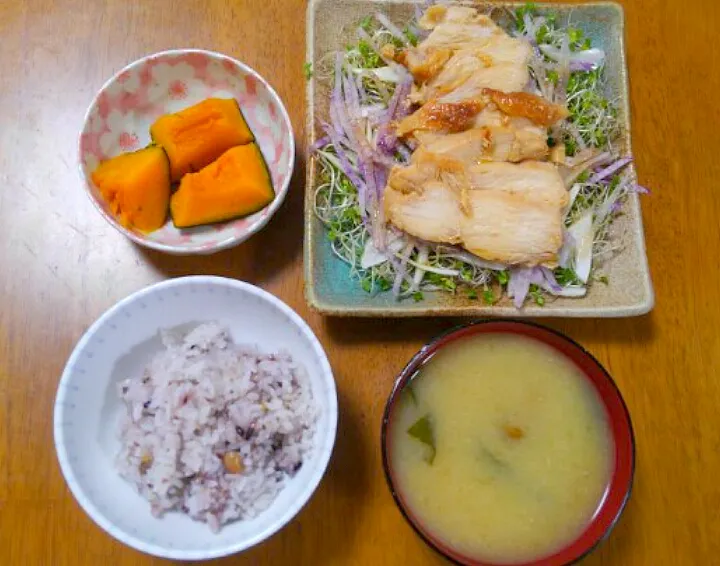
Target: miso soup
<point x="500" y="448"/>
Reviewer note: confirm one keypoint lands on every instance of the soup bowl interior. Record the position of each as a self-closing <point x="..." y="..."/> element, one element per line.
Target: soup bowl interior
<point x="622" y="444"/>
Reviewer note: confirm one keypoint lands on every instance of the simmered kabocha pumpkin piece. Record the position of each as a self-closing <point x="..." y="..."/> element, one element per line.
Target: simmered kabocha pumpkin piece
<point x="198" y="135"/>
<point x="236" y="184"/>
<point x="136" y="187"/>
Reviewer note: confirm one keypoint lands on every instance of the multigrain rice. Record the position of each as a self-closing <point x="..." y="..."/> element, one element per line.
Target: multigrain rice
<point x="215" y="429"/>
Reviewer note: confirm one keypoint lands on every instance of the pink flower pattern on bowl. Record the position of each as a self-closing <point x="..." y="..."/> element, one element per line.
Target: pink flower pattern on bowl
<point x="119" y="120"/>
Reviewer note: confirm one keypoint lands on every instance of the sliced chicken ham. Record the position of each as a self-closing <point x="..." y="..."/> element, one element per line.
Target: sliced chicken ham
<point x="487" y="143"/>
<point x="475" y="178"/>
<point x="433" y="215"/>
<point x="464" y="53"/>
<point x="504" y="212"/>
<point x="500" y="63"/>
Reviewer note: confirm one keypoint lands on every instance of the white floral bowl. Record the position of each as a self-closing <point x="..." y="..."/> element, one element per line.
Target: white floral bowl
<point x="120" y="116"/>
<point x="120" y="344"/>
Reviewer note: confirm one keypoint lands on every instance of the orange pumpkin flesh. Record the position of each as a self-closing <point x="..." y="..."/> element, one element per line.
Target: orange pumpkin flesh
<point x="198" y="135"/>
<point x="136" y="187"/>
<point x="236" y="184"/>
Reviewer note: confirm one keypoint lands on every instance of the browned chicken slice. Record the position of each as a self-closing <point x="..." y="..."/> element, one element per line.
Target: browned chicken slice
<point x="446" y="117"/>
<point x="512" y="213"/>
<point x="504" y="228"/>
<point x="439" y="13"/>
<point x="426" y="166"/>
<point x="433" y="215"/>
<point x="469" y="146"/>
<point x="439" y="117"/>
<point x="500" y="62"/>
<point x="526" y="105"/>
<point x="487" y="143"/>
<point x="465" y="52"/>
<point x="426" y="64"/>
<point x="456" y="27"/>
<point x="518" y="144"/>
<point x="447" y="158"/>
<point x="516" y="213"/>
<point x="525" y="130"/>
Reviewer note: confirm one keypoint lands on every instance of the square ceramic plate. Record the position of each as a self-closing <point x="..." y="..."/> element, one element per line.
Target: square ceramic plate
<point x="329" y="287"/>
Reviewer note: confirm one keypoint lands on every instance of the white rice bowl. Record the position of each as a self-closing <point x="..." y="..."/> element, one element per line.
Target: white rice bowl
<point x="273" y="403"/>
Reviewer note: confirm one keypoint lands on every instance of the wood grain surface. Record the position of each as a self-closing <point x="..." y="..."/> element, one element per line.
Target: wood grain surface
<point x="61" y="265"/>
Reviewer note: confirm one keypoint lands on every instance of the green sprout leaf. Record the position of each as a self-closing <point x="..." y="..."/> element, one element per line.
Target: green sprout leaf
<point x="367" y="24"/>
<point x="584" y="176"/>
<point x="542" y="34"/>
<point x="308" y="70"/>
<point x="529" y="9"/>
<point x="565" y="276"/>
<point x="366" y="284"/>
<point x="537" y="295"/>
<point x="411" y="36"/>
<point x="445" y="282"/>
<point x="570" y="146"/>
<point x="368" y="58"/>
<point x="383" y="284"/>
<point x="466" y="272"/>
<point x="574" y="35"/>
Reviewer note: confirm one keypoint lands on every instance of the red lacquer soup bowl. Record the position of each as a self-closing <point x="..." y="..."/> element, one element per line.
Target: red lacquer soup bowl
<point x="620" y="429"/>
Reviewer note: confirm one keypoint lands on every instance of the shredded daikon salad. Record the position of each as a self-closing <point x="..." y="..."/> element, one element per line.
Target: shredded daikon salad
<point x="359" y="147"/>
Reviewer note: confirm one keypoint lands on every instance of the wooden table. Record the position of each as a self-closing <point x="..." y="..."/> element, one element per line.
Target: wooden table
<point x="61" y="265"/>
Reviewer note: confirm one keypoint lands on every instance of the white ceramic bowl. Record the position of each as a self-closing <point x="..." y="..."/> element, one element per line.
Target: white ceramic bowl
<point x="120" y="343"/>
<point x="119" y="119"/>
